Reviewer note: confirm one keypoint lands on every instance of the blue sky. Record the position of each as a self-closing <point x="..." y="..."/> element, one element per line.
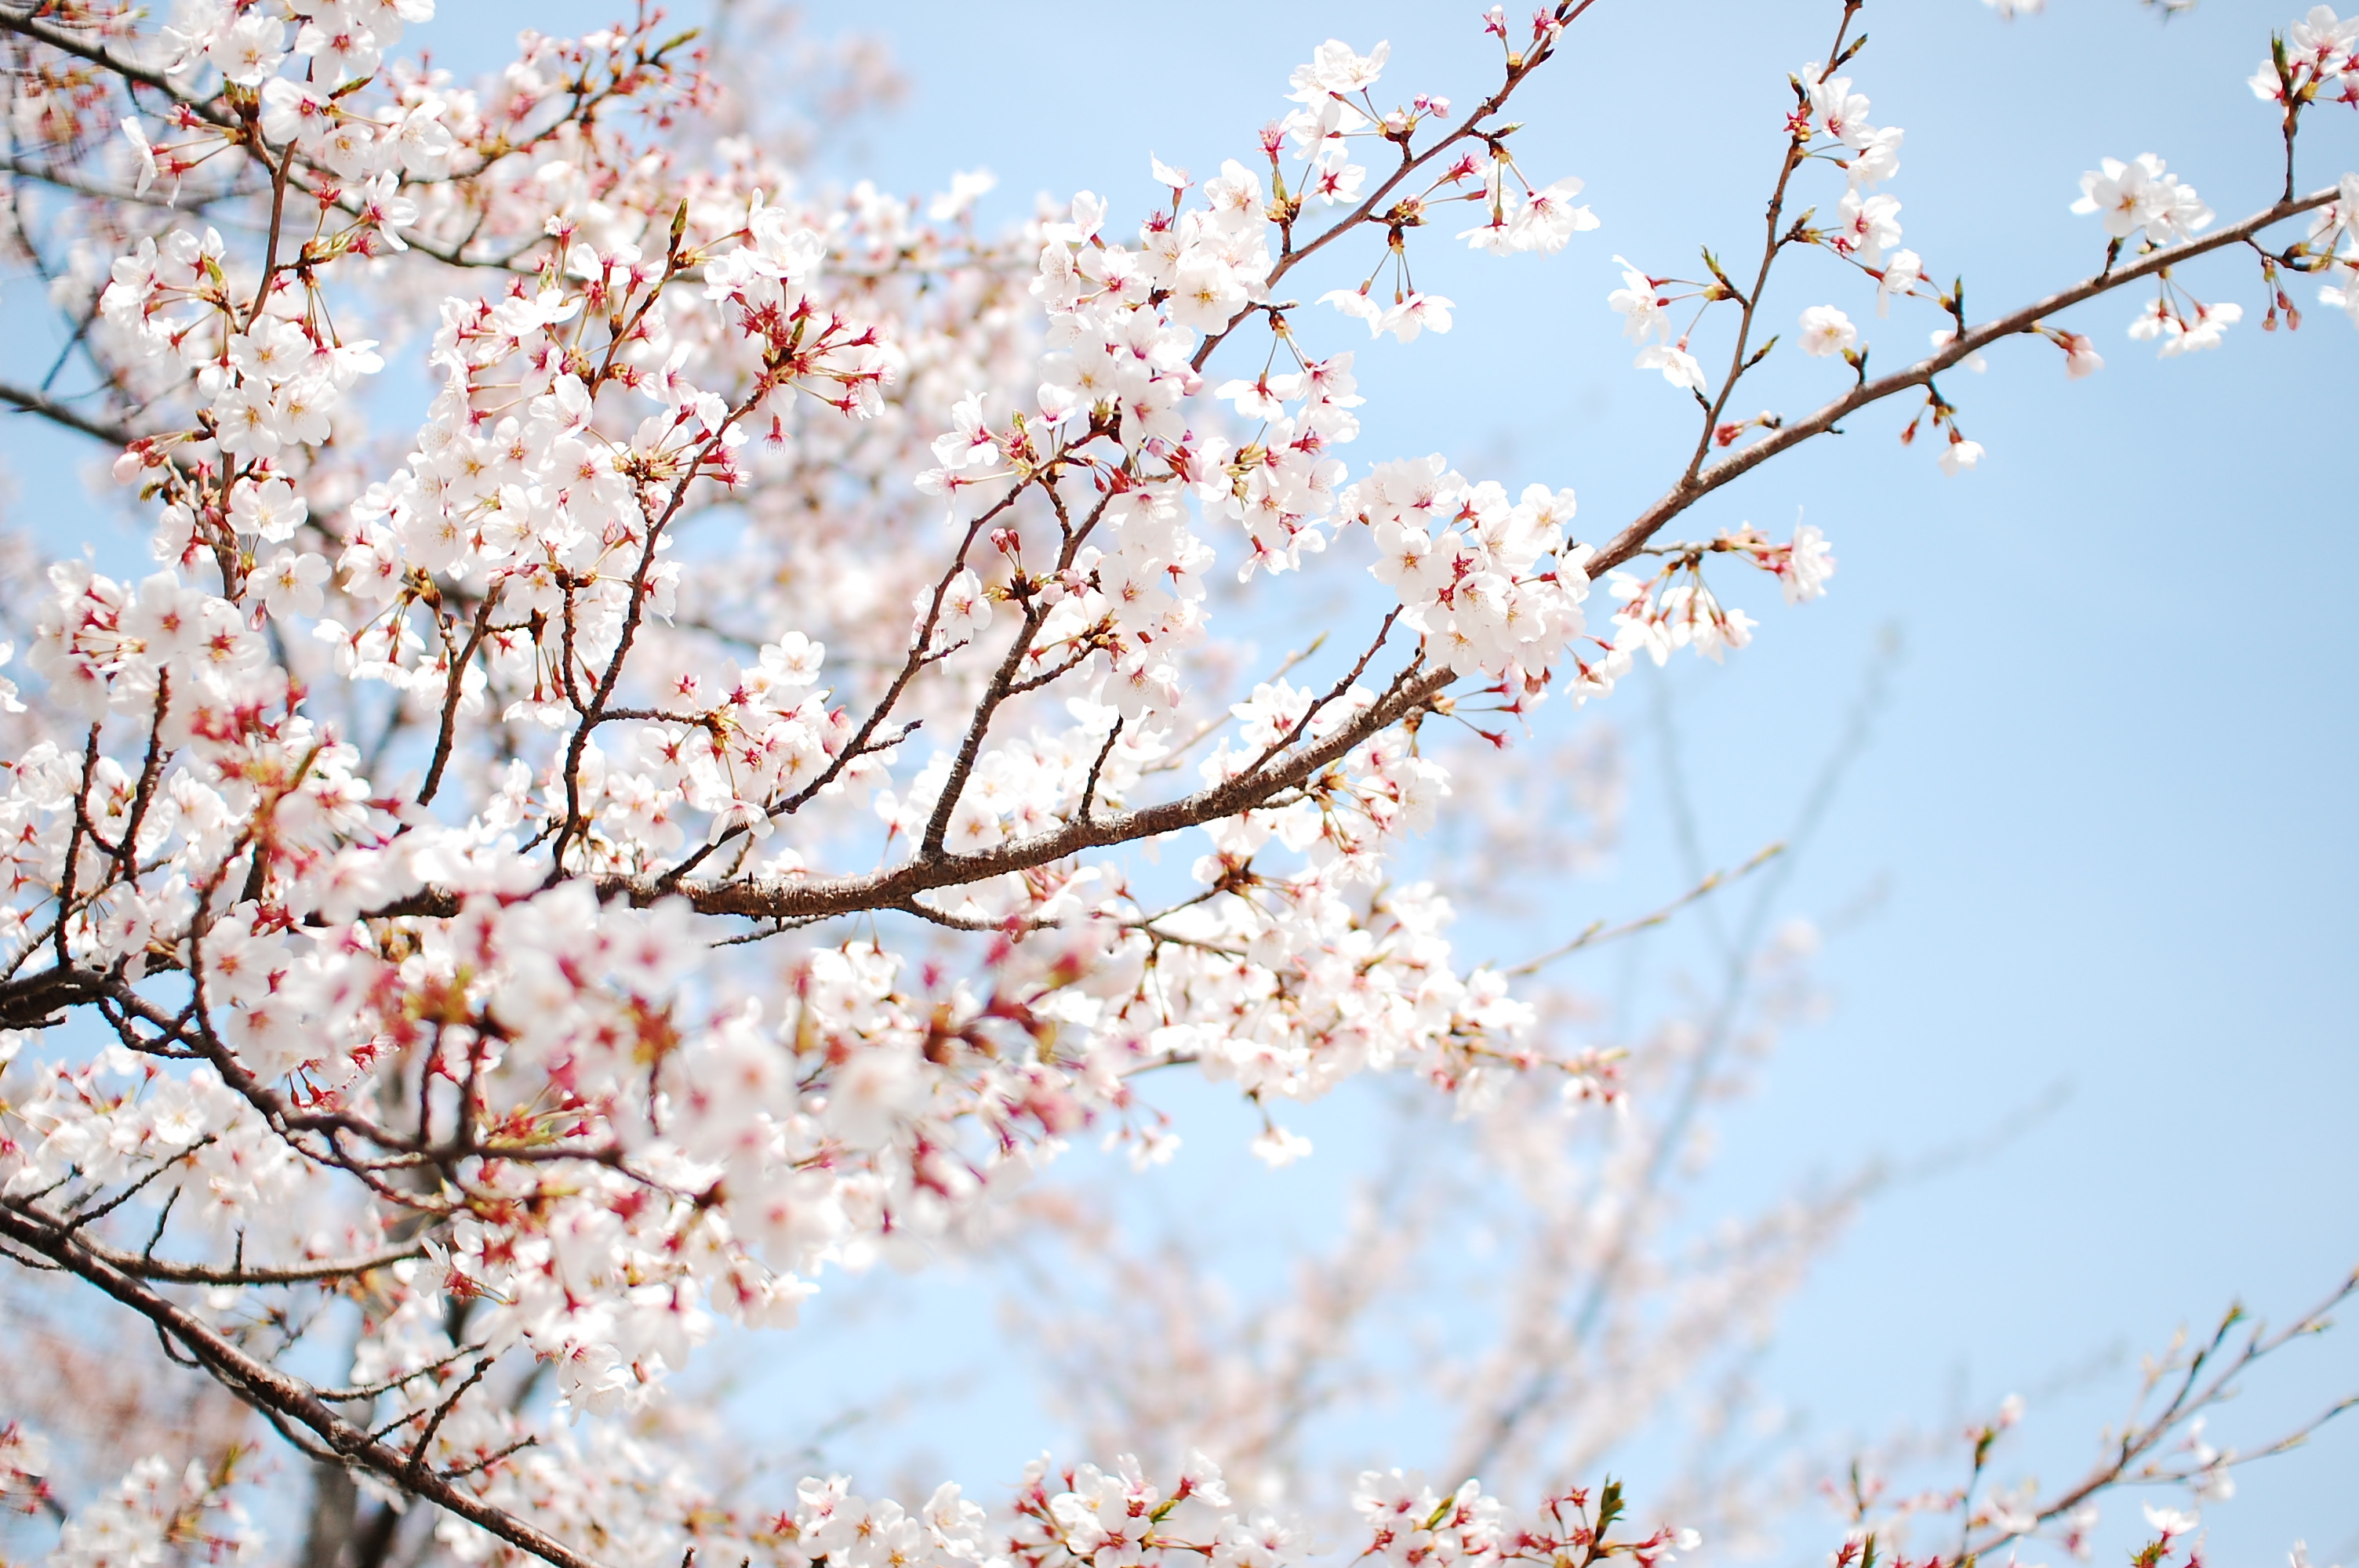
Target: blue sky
<point x="2109" y="803"/>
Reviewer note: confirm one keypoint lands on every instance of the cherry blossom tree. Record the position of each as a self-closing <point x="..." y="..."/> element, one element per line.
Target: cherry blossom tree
<point x="642" y="796"/>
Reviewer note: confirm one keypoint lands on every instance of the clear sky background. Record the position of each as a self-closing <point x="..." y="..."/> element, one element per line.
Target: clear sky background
<point x="2108" y="809"/>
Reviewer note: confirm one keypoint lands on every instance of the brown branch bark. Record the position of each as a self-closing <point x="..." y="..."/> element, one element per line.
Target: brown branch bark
<point x="58" y="413"/>
<point x="28" y="24"/>
<point x="806" y="897"/>
<point x="1690" y="491"/>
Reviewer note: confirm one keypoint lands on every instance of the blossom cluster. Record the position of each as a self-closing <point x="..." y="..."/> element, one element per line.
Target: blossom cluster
<point x="614" y="1161"/>
<point x="2316" y="60"/>
<point x="1063" y="1517"/>
<point x="1491" y="584"/>
<point x="158" y="1512"/>
<point x="2335" y="236"/>
<point x="1677" y="608"/>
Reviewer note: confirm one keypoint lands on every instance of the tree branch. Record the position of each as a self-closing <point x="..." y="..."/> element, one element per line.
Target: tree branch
<point x="1690" y="491"/>
<point x="805" y="897"/>
<point x="277" y="1394"/>
<point x="58" y="413"/>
